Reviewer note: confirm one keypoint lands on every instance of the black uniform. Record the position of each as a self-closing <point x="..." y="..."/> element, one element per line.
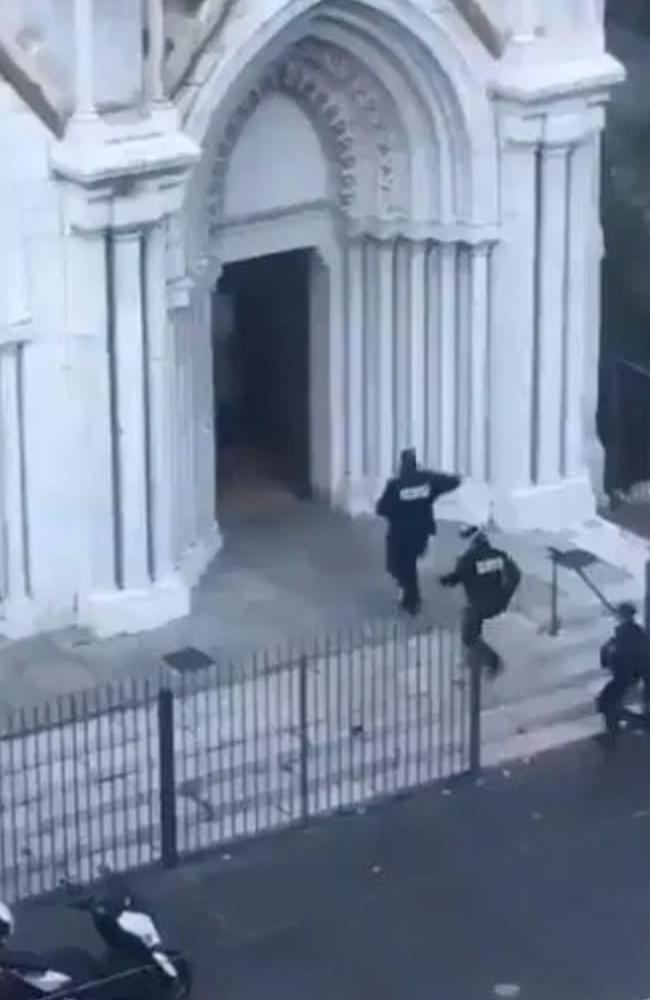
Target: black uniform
<point x="627" y="656"/>
<point x="407" y="504"/>
<point x="490" y="578"/>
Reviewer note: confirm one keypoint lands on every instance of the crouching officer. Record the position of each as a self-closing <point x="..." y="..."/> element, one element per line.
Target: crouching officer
<point x="490" y="578"/>
<point x="627" y="656"/>
<point x="407" y="504"/>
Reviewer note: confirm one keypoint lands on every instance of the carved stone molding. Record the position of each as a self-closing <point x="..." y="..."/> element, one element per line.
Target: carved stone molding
<point x="345" y="104"/>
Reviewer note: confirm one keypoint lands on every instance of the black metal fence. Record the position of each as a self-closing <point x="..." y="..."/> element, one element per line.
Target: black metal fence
<point x="145" y="773"/>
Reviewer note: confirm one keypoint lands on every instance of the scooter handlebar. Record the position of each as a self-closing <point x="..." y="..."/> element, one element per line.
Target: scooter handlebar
<point x="79" y="898"/>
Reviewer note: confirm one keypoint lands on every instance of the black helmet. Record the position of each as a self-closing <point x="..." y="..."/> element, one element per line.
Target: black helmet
<point x="408" y="461"/>
<point x="477" y="535"/>
<point x="626" y="611"/>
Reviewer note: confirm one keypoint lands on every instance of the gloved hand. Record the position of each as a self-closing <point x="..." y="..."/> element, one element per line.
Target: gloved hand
<point x="446" y="580"/>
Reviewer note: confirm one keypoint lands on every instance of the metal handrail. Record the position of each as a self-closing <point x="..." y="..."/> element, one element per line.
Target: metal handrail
<point x="75" y="991"/>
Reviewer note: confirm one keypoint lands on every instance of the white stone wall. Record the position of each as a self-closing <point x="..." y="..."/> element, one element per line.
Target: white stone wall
<point x="451" y="199"/>
<point x="40" y="449"/>
<point x="45" y="29"/>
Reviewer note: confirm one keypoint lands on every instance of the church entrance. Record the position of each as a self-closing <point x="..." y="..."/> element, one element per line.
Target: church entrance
<point x="261" y="323"/>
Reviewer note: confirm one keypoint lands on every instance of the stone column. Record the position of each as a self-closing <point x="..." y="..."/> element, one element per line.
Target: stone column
<point x="338" y="483"/>
<point x="194" y="409"/>
<point x="432" y="354"/>
<point x="159" y="416"/>
<point x="581" y="279"/>
<point x="401" y="335"/>
<point x="479" y="382"/>
<point x="89" y="347"/>
<point x="84" y="60"/>
<point x="590" y="448"/>
<point x="15" y="585"/>
<point x="549" y="415"/>
<point x="155" y="56"/>
<point x="447" y="354"/>
<point x="417" y="343"/>
<point x="513" y="319"/>
<point x="131" y="452"/>
<point x="385" y="351"/>
<point x="354" y="415"/>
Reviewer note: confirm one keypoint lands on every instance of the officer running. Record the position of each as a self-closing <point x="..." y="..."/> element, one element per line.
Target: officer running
<point x="407" y="504"/>
<point x="627" y="656"/>
<point x="490" y="578"/>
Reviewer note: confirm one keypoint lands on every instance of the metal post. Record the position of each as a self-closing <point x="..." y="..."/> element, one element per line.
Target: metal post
<point x="555" y="620"/>
<point x="304" y="741"/>
<point x="168" y="819"/>
<point x="476" y="678"/>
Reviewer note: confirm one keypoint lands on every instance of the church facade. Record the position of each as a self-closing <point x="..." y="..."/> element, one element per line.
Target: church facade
<point x="437" y="162"/>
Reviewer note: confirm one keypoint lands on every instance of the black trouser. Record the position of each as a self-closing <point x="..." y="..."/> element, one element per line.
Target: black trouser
<point x="402" y="564"/>
<point x="611" y="698"/>
<point x="483" y="655"/>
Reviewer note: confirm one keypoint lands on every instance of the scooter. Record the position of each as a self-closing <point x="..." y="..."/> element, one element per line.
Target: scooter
<point x="62" y="970"/>
<point x="133" y="940"/>
<point x="29" y="976"/>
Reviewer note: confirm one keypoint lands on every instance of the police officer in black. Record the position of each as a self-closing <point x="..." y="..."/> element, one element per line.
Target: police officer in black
<point x="490" y="578"/>
<point x="627" y="656"/>
<point x="407" y="504"/>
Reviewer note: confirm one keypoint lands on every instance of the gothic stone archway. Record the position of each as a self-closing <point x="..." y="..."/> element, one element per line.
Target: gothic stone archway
<point x="402" y="227"/>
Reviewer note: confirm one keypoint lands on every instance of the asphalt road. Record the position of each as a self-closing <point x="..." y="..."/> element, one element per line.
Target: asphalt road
<point x="539" y="877"/>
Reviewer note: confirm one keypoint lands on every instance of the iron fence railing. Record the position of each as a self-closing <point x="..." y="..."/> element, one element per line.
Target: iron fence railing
<point x="142" y="773"/>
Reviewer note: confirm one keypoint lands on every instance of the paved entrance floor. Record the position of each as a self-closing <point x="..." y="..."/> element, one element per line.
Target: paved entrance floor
<point x="294" y="569"/>
<point x="537" y="879"/>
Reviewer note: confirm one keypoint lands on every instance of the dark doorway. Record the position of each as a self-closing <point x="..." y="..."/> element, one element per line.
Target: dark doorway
<point x="261" y="345"/>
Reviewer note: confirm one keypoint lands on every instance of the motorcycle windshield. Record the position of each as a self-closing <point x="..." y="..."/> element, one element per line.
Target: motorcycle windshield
<point x="46" y="982"/>
<point x="141" y="926"/>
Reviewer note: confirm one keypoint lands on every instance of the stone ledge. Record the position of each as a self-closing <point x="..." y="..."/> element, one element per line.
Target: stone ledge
<point x="531" y="82"/>
<point x="136" y="156"/>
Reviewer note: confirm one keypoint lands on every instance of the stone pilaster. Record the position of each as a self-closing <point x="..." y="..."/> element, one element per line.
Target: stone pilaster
<point x="549" y="415"/>
<point x="538" y="334"/>
<point x="15" y="581"/>
<point x="155" y="56"/>
<point x="132" y="486"/>
<point x="416" y="345"/>
<point x="124" y="190"/>
<point x="354" y="368"/>
<point x="385" y="415"/>
<point x="513" y="319"/>
<point x="479" y="346"/>
<point x="84" y="46"/>
<point x="447" y="379"/>
<point x="159" y="374"/>
<point x="582" y="341"/>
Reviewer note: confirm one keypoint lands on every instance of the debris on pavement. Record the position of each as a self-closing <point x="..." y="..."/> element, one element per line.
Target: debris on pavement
<point x="506" y="990"/>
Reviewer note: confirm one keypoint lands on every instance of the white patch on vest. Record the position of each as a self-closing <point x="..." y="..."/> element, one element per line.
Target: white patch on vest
<point x="494" y="565"/>
<point x="415" y="493"/>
